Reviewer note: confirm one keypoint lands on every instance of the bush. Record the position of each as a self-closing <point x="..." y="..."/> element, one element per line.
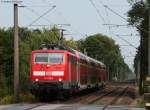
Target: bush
<point x="27" y="97"/>
<point x="141" y="102"/>
<point x="6" y="100"/>
<point x="24" y="97"/>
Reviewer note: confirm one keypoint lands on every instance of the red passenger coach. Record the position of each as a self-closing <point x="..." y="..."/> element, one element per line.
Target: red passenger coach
<point x="58" y="69"/>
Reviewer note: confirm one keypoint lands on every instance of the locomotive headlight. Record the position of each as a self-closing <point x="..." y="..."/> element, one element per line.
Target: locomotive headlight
<point x="39" y="73"/>
<point x="57" y="73"/>
<point x="36" y="79"/>
<point x="60" y="79"/>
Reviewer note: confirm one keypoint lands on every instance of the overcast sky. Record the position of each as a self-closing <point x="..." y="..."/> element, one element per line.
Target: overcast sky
<point x="84" y="16"/>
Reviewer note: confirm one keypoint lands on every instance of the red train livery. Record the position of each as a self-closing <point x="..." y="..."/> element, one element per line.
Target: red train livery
<point x="58" y="69"/>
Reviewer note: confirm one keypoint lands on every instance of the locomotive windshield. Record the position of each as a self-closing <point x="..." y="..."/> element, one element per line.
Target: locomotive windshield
<point x="49" y="58"/>
<point x="55" y="58"/>
<point x="41" y="58"/>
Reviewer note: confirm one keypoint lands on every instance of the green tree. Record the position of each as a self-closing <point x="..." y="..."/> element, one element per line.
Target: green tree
<point x="6" y="65"/>
<point x="104" y="49"/>
<point x="138" y="17"/>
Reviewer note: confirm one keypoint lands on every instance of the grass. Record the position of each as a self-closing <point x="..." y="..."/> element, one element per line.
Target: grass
<point x="141" y="102"/>
<point x="24" y="98"/>
<point x="6" y="100"/>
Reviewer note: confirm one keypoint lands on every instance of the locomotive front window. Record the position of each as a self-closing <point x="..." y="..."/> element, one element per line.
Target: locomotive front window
<point x="56" y="58"/>
<point x="41" y="58"/>
<point x="49" y="58"/>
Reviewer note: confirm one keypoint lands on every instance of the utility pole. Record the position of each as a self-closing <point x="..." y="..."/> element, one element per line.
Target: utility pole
<point x="85" y="52"/>
<point x="16" y="54"/>
<point x="147" y="95"/>
<point x="16" y="48"/>
<point x="108" y="72"/>
<point x="149" y="43"/>
<point x="138" y="71"/>
<point x="61" y="35"/>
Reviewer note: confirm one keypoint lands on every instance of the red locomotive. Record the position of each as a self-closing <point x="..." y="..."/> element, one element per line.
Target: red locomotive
<point x="58" y="69"/>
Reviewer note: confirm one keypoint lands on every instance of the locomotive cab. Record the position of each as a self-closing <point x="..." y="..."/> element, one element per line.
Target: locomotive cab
<point x="48" y="66"/>
<point x="48" y="72"/>
<point x="53" y="71"/>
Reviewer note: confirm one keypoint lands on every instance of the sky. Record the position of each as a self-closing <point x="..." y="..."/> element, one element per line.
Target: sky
<point x="85" y="17"/>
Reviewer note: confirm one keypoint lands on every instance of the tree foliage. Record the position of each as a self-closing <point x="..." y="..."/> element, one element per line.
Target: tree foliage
<point x="104" y="49"/>
<point x="138" y="16"/>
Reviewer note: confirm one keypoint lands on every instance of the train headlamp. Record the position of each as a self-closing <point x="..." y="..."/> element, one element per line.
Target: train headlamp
<point x="36" y="79"/>
<point x="60" y="79"/>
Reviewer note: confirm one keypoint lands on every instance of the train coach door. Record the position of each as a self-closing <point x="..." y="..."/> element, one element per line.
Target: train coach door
<point x="78" y="72"/>
<point x="73" y="63"/>
<point x="78" y="68"/>
<point x="69" y="68"/>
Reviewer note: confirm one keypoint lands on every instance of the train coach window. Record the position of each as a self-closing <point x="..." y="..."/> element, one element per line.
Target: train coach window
<point x="41" y="58"/>
<point x="56" y="58"/>
<point x="72" y="60"/>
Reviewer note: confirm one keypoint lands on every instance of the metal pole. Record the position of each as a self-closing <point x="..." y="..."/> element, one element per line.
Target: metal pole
<point x="138" y="72"/>
<point x="16" y="55"/>
<point x="149" y="43"/>
<point x="108" y="72"/>
<point x="61" y="31"/>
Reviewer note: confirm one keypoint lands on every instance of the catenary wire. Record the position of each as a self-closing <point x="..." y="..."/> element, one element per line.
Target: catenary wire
<point x="42" y="15"/>
<point x="97" y="10"/>
<point x="106" y="6"/>
<point x="36" y="13"/>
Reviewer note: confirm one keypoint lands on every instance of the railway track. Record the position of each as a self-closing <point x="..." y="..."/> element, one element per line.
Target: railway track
<point x="83" y="99"/>
<point x="116" y="98"/>
<point x="112" y="94"/>
<point x="36" y="106"/>
<point x="104" y="95"/>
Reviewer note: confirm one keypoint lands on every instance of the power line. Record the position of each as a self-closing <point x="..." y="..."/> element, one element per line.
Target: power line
<point x="36" y="13"/>
<point x="63" y="17"/>
<point x="52" y="25"/>
<point x="118" y="5"/>
<point x="116" y="25"/>
<point x="128" y="35"/>
<point x="97" y="10"/>
<point x="109" y="26"/>
<point x="66" y="20"/>
<point x="126" y="42"/>
<point x="11" y="1"/>
<point x="124" y="45"/>
<point x="107" y="14"/>
<point x="115" y="12"/>
<point x="124" y="18"/>
<point x="42" y="15"/>
<point x="39" y="5"/>
<point x="129" y="56"/>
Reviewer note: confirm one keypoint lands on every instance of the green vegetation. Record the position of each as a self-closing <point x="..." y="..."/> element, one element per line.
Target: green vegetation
<point x="97" y="46"/>
<point x="141" y="102"/>
<point x="138" y="17"/>
<point x="104" y="49"/>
